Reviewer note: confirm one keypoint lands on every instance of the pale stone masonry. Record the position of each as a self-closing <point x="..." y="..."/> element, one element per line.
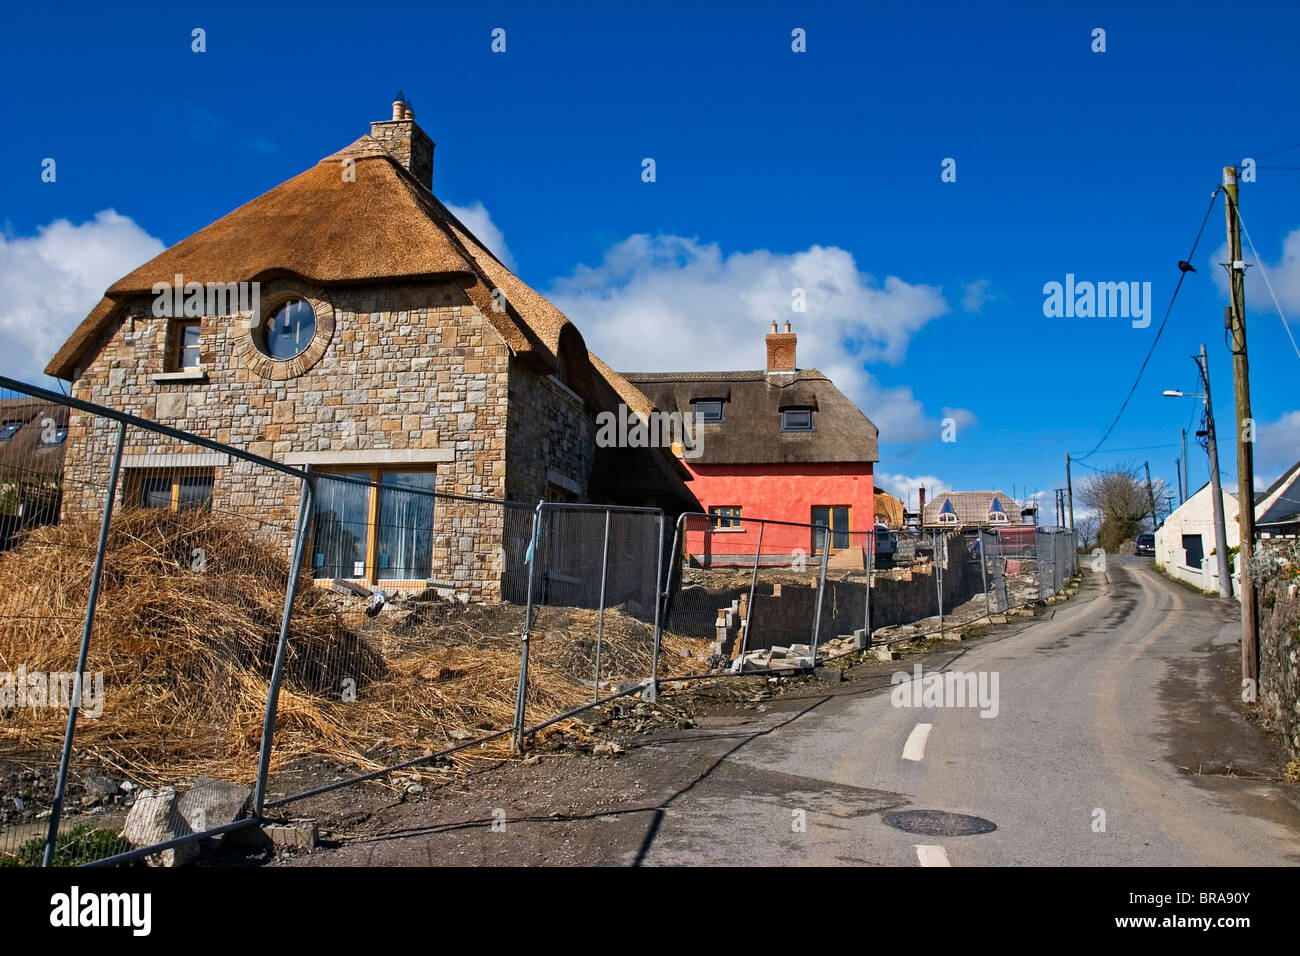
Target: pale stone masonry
<point x="422" y="369"/>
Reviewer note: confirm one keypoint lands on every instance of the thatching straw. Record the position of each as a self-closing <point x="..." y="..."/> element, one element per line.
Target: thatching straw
<point x="186" y="655"/>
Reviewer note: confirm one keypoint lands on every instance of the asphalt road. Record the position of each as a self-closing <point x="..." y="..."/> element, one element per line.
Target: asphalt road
<point x="1120" y="704"/>
<point x="1118" y="740"/>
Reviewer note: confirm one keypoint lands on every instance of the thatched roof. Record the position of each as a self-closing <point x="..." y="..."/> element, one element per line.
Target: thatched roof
<point x="889" y="509"/>
<point x="971" y="507"/>
<point x="26" y="454"/>
<point x="383" y="226"/>
<point x="752" y="403"/>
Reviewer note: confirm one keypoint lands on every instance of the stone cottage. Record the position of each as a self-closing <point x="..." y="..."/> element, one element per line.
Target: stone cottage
<point x="347" y="320"/>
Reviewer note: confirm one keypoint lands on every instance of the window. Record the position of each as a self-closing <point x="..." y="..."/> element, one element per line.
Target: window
<point x="378" y="531"/>
<point x="708" y="409"/>
<point x="289" y="330"/>
<point x="185" y="345"/>
<point x="725" y="518"/>
<point x="947" y="514"/>
<point x="174" y="490"/>
<point x="9" y="429"/>
<point x="796" y="420"/>
<point x="834" y="517"/>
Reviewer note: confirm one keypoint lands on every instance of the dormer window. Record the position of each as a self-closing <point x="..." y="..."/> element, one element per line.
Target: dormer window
<point x="9" y="429"/>
<point x="947" y="514"/>
<point x="996" y="514"/>
<point x="708" y="409"/>
<point x="796" y="420"/>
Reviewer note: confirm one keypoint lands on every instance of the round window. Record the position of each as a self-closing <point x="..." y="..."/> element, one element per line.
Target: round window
<point x="290" y="330"/>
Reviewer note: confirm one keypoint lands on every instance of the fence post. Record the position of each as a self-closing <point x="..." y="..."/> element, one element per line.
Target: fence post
<point x="984" y="571"/>
<point x="600" y="615"/>
<point x="661" y="599"/>
<point x="521" y="690"/>
<point x="97" y="571"/>
<point x="749" y="602"/>
<point x="651" y="693"/>
<point x="871" y="556"/>
<point x="305" y="504"/>
<point x="938" y="576"/>
<point x="821" y="593"/>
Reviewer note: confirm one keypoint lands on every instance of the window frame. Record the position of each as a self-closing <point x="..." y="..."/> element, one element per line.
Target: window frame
<point x="371" y="577"/>
<point x="695" y="411"/>
<point x="177" y="348"/>
<point x="260" y="337"/>
<point x="831" y="529"/>
<point x="136" y="478"/>
<point x="804" y="409"/>
<point x="726" y="518"/>
<point x="17" y="425"/>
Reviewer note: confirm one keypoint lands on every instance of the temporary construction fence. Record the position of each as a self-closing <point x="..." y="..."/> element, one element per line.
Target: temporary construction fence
<point x="206" y="635"/>
<point x="774" y="595"/>
<point x="214" y="634"/>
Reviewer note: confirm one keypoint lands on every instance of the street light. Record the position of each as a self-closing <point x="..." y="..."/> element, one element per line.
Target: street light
<point x="1212" y="449"/>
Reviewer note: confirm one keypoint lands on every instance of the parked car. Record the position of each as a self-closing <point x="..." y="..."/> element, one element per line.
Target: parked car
<point x="1145" y="546"/>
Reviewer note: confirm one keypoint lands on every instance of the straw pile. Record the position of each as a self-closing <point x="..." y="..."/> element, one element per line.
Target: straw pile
<point x="186" y="650"/>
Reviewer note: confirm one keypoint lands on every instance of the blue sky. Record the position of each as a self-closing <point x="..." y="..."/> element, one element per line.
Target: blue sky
<point x="774" y="170"/>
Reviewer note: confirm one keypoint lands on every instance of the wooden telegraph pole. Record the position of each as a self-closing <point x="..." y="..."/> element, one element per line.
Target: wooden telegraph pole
<point x="1151" y="496"/>
<point x="1245" y="452"/>
<point x="1069" y="490"/>
<point x="1186" y="489"/>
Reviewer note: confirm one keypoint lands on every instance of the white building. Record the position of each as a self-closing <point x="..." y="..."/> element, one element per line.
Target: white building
<point x="1185" y="542"/>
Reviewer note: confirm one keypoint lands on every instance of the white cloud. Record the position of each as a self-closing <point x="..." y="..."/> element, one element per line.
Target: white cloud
<point x="975" y="294"/>
<point x="1283" y="276"/>
<point x="1277" y="447"/>
<point x="902" y="485"/>
<point x="669" y="303"/>
<point x="49" y="282"/>
<point x="477" y="219"/>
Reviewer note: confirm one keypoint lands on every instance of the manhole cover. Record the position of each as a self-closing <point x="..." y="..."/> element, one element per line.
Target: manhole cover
<point x="939" y="823"/>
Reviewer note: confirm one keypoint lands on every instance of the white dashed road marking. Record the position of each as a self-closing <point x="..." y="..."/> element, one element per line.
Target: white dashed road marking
<point x="932" y="855"/>
<point x="914" y="749"/>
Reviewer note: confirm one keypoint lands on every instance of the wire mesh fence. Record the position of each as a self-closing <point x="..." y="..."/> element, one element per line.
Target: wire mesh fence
<point x="138" y="617"/>
<point x="592" y="619"/>
<point x="747" y="589"/>
<point x="192" y="636"/>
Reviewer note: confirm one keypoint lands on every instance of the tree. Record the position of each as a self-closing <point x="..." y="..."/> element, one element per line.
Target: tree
<point x="1086" y="528"/>
<point x="1123" y="503"/>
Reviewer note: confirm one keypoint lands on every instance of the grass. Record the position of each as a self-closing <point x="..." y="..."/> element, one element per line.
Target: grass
<point x="84" y="843"/>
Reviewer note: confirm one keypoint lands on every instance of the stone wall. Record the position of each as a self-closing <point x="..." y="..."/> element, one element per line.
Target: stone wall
<point x="405" y="368"/>
<point x="551" y="439"/>
<point x="1279" y="656"/>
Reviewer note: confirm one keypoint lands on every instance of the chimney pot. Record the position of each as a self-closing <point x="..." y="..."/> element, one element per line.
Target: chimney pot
<point x="781" y="350"/>
<point x="406" y="142"/>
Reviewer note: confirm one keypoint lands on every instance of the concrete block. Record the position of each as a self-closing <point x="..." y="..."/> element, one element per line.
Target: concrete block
<point x="831" y="675"/>
<point x="301" y="834"/>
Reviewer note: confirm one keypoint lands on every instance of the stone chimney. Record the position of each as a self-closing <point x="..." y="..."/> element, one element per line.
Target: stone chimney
<point x="406" y="142"/>
<point x="921" y="509"/>
<point x="780" y="350"/>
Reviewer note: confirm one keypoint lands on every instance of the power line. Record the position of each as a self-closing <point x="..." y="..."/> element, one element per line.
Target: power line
<point x="1182" y="274"/>
<point x="1274" y="152"/>
<point x="1264" y="272"/>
